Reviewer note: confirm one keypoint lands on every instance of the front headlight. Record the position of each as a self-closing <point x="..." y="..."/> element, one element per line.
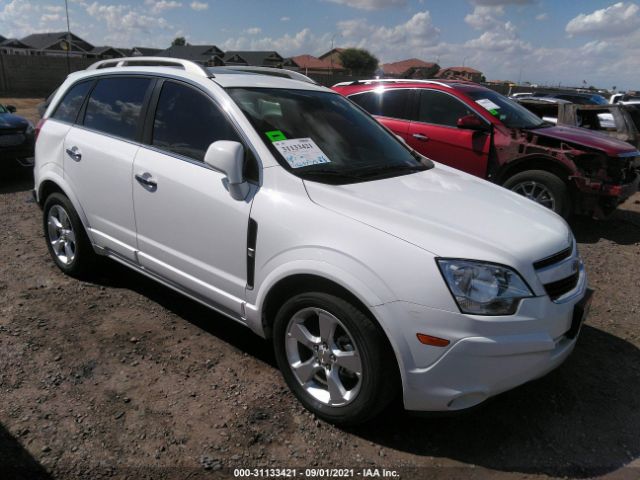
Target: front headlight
<point x="483" y="288"/>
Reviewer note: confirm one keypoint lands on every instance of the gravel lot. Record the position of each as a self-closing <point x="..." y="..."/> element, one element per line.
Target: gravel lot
<point x="122" y="378"/>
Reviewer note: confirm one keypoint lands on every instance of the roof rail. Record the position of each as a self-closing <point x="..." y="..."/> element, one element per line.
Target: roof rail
<point x="186" y="65"/>
<point x="276" y="72"/>
<point x="390" y="80"/>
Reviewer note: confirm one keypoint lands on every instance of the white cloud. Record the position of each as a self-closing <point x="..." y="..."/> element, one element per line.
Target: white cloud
<point x="158" y="6"/>
<point x="253" y="30"/>
<point x="484" y="17"/>
<point x="50" y="18"/>
<point x="285" y="19"/>
<point x="503" y="2"/>
<point x="53" y="8"/>
<point x="371" y="4"/>
<point x="542" y="16"/>
<point x="615" y="20"/>
<point x="126" y="25"/>
<point x="199" y="6"/>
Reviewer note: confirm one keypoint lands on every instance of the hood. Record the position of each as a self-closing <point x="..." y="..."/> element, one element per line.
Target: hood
<point x="9" y="120"/>
<point x="589" y="138"/>
<point x="451" y="214"/>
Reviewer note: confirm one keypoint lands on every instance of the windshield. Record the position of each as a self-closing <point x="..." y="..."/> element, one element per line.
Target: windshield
<point x="512" y="114"/>
<point x="322" y="136"/>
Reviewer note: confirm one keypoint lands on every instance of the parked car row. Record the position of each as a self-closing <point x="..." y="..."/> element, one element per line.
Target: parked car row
<point x="286" y="207"/>
<point x="16" y="137"/>
<point x="474" y="129"/>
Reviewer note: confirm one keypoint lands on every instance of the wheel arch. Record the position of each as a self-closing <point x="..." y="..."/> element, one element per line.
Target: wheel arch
<point x="294" y="284"/>
<point x="55" y="184"/>
<point x="535" y="162"/>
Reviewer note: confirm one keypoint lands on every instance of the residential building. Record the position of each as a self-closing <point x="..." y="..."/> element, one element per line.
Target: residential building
<point x="144" y="52"/>
<point x="410" y="68"/>
<point x="461" y="73"/>
<point x="13" y="46"/>
<point x="308" y="64"/>
<point x="58" y="44"/>
<point x="268" y="58"/>
<point x="208" y="55"/>
<point x="333" y="56"/>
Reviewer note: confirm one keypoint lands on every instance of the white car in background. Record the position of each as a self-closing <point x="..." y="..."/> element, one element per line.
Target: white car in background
<point x="283" y="206"/>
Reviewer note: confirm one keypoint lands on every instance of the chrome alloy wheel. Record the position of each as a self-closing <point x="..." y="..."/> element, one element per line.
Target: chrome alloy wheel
<point x="61" y="235"/>
<point x="537" y="192"/>
<point x="323" y="357"/>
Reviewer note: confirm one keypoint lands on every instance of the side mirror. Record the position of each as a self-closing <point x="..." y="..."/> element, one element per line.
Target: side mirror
<point x="11" y="108"/>
<point x="472" y="122"/>
<point x="228" y="158"/>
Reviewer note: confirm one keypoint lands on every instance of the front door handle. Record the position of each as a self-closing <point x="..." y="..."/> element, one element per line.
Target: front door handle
<point x="146" y="180"/>
<point x="74" y="153"/>
<point x="421" y="137"/>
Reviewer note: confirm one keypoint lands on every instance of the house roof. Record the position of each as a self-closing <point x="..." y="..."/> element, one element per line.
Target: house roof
<point x="41" y="41"/>
<point x="331" y="52"/>
<point x="311" y="62"/>
<point x="146" y="51"/>
<point x="398" y="68"/>
<point x="255" y="58"/>
<point x="198" y="53"/>
<point x="104" y="49"/>
<point x="2" y="39"/>
<point x="13" y="42"/>
<point x="460" y="69"/>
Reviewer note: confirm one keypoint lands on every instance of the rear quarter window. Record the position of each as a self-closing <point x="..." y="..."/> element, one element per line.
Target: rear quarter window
<point x="68" y="108"/>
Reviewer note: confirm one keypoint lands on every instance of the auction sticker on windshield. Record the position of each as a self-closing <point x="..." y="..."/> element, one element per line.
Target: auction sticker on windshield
<point x="487" y="104"/>
<point x="301" y="152"/>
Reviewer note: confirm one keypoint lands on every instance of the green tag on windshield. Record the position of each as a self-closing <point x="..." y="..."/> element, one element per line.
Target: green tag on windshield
<point x="275" y="135"/>
<point x="493" y="112"/>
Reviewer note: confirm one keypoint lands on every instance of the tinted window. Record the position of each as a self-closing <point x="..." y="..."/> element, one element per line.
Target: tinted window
<point x="387" y="103"/>
<point x="441" y="109"/>
<point x="187" y="122"/>
<point x="115" y="104"/>
<point x="71" y="103"/>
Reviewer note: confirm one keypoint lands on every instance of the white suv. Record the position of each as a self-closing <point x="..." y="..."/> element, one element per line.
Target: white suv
<point x="284" y="206"/>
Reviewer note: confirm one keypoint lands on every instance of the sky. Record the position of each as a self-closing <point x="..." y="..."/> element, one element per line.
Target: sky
<point x="551" y="42"/>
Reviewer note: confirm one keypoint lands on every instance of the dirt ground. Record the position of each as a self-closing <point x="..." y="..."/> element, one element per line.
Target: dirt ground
<point x="123" y="378"/>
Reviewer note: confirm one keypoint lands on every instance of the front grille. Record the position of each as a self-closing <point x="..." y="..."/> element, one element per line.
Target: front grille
<point x="555" y="258"/>
<point x="558" y="288"/>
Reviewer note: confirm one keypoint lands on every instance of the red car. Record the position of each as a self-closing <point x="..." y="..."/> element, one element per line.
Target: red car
<point x="472" y="128"/>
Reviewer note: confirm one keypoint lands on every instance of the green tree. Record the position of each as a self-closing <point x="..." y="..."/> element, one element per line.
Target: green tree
<point x="179" y="41"/>
<point x="359" y="61"/>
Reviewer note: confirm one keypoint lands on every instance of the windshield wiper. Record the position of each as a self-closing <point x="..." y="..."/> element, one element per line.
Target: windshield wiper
<point x="331" y="173"/>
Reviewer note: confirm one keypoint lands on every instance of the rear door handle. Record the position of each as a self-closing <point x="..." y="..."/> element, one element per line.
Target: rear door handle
<point x="146" y="180"/>
<point x="74" y="153"/>
<point x="420" y="136"/>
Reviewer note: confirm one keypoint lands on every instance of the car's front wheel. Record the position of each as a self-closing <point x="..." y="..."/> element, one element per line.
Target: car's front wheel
<point x="334" y="358"/>
<point x="542" y="187"/>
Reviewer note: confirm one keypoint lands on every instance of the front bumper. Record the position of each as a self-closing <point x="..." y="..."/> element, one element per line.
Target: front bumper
<point x="487" y="355"/>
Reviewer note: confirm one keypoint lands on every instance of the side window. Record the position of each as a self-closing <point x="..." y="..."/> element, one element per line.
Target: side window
<point x="441" y="109"/>
<point x="115" y="104"/>
<point x="187" y="122"/>
<point x="389" y="103"/>
<point x="68" y="108"/>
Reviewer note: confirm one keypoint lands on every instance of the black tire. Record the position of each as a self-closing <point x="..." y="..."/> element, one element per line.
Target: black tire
<point x="84" y="257"/>
<point x="378" y="380"/>
<point x="557" y="188"/>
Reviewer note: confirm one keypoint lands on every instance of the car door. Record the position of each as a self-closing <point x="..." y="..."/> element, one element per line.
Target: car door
<point x="98" y="159"/>
<point x="436" y="135"/>
<point x="189" y="229"/>
<point x="390" y="107"/>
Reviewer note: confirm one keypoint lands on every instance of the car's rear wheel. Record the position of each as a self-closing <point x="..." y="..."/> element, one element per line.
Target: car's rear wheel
<point x="67" y="241"/>
<point x="542" y="187"/>
<point x="334" y="358"/>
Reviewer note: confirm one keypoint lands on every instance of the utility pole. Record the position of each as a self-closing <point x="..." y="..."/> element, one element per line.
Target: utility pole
<point x="66" y="8"/>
